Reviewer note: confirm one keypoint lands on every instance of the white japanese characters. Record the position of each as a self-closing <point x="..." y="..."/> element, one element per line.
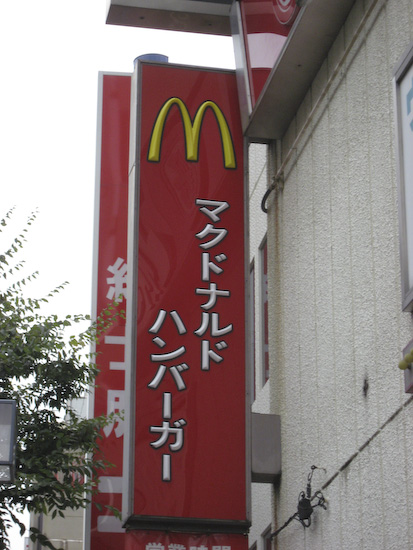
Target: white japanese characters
<point x="211" y="319"/>
<point x="174" y="546"/>
<point x="118" y="281"/>
<point x="115" y="400"/>
<point x="170" y="361"/>
<point x="168" y="428"/>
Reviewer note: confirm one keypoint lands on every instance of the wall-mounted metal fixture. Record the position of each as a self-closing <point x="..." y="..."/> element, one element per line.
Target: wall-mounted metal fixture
<point x="8" y="417"/>
<point x="276" y="185"/>
<point x="306" y="504"/>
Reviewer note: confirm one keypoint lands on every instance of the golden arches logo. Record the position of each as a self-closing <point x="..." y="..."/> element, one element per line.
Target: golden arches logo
<point x="192" y="131"/>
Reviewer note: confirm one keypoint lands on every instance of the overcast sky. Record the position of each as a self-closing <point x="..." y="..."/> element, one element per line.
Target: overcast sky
<point x="51" y="52"/>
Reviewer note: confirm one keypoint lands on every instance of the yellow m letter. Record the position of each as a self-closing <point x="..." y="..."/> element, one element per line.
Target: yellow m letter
<point x="192" y="131"/>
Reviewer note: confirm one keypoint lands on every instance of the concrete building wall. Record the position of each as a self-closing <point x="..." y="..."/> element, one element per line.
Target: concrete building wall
<point x="258" y="158"/>
<point x="336" y="325"/>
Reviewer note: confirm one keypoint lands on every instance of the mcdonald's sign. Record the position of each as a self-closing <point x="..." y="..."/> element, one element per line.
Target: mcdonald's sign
<point x="187" y="262"/>
<point x="192" y="131"/>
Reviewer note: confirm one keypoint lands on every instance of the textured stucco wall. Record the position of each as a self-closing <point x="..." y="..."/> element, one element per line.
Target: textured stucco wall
<point x="262" y="513"/>
<point x="336" y="323"/>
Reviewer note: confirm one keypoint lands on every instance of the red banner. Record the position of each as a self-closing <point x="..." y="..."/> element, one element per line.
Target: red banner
<point x="109" y="284"/>
<point x="190" y="404"/>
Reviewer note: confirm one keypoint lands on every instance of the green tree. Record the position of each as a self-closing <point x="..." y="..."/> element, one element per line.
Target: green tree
<point x="44" y="370"/>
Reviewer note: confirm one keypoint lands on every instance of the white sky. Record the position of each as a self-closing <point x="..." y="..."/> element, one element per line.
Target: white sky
<point x="50" y="53"/>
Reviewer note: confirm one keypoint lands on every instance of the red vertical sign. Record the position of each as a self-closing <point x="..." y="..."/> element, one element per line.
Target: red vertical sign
<point x="266" y="23"/>
<point x="110" y="283"/>
<point x="189" y="467"/>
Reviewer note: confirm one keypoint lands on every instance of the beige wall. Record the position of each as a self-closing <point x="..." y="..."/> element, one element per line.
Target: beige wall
<point x="335" y="317"/>
<point x="66" y="533"/>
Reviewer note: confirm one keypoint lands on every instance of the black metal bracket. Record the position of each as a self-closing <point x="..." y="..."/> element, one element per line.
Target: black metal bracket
<point x="305" y="505"/>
